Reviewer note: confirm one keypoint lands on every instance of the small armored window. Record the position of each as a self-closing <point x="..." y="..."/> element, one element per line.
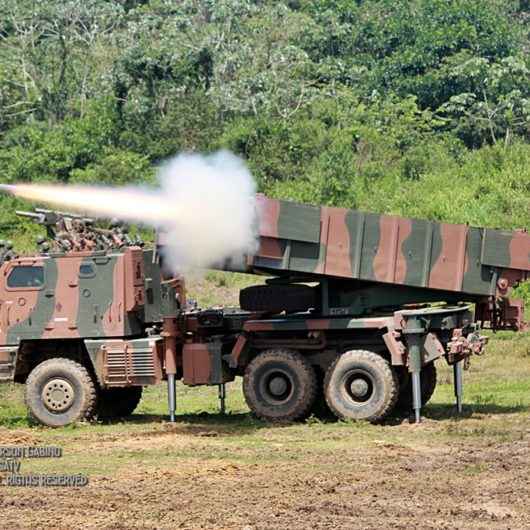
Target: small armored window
<point x="86" y="270"/>
<point x="26" y="277"/>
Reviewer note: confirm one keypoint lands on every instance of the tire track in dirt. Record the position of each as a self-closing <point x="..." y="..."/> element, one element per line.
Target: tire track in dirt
<point x="459" y="485"/>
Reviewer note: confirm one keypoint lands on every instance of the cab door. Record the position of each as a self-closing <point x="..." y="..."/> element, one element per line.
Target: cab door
<point x="22" y="300"/>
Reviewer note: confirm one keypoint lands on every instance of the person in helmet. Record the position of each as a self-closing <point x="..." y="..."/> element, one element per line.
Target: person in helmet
<point x="9" y="253"/>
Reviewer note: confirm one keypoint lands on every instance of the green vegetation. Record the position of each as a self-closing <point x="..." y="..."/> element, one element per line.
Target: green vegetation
<point x="413" y="107"/>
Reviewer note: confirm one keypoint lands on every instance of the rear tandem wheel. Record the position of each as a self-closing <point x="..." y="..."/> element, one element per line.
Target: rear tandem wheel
<point x="361" y="385"/>
<point x="280" y="385"/>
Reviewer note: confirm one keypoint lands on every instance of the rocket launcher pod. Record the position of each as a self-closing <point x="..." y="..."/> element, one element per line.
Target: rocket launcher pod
<point x="391" y="260"/>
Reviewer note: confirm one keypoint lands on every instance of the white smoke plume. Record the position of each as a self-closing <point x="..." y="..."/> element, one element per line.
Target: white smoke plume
<point x="205" y="204"/>
<point x="214" y="209"/>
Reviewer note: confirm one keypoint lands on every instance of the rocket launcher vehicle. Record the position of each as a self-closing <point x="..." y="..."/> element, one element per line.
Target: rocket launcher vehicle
<point x="348" y="314"/>
<point x="365" y="262"/>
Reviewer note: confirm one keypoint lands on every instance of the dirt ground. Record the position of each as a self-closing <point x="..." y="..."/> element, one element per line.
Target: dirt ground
<point x="196" y="476"/>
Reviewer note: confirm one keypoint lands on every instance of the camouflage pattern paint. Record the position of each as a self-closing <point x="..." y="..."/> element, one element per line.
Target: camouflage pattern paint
<point x="341" y="243"/>
<point x="26" y="311"/>
<point x="107" y="298"/>
<point x="83" y="296"/>
<point x="63" y="322"/>
<point x="113" y="318"/>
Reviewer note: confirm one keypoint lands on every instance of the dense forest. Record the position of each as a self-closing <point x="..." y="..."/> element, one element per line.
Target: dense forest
<point x="413" y="107"/>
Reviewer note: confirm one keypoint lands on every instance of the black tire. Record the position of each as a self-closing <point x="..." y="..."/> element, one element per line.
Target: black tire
<point x="280" y="385"/>
<point x="59" y="392"/>
<point x="428" y="386"/>
<point x="118" y="402"/>
<point x="376" y="386"/>
<point x="277" y="298"/>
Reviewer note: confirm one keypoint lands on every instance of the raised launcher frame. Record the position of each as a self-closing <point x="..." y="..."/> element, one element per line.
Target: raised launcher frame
<point x="364" y="261"/>
<point x="367" y="263"/>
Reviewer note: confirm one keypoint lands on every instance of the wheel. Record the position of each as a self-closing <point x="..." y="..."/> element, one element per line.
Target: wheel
<point x="428" y="386"/>
<point x="280" y="385"/>
<point x="361" y="385"/>
<point x="118" y="402"/>
<point x="60" y="391"/>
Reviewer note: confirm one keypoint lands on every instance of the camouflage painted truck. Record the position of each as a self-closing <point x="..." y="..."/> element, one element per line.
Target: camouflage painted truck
<point x="355" y="312"/>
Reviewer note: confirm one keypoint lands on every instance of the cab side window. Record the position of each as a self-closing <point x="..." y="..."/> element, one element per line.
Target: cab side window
<point x="31" y="276"/>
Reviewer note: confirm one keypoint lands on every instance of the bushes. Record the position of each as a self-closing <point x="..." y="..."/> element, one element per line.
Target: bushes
<point x="470" y="189"/>
<point x="38" y="151"/>
<point x="116" y="167"/>
<point x="414" y="107"/>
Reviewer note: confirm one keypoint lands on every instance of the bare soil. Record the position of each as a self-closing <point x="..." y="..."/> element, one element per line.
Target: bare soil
<point x="171" y="477"/>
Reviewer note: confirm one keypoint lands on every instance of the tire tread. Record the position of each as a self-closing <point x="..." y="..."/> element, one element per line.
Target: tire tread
<point x="389" y="375"/>
<point x="303" y="409"/>
<point x="90" y="395"/>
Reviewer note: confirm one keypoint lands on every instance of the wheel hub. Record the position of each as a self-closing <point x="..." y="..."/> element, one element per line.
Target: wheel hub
<point x="277" y="386"/>
<point x="359" y="388"/>
<point x="58" y="395"/>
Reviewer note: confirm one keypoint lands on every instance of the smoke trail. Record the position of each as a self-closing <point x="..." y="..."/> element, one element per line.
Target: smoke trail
<point x="204" y="204"/>
<point x="128" y="204"/>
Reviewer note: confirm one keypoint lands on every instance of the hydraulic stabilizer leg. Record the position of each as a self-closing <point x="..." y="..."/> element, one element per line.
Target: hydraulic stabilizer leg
<point x="416" y="396"/>
<point x="415" y="362"/>
<point x="459" y="384"/>
<point x="171" y="396"/>
<point x="222" y="398"/>
<point x="170" y="333"/>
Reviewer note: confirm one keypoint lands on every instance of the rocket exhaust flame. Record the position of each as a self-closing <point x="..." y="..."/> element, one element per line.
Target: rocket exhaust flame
<point x="101" y="201"/>
<point x="205" y="204"/>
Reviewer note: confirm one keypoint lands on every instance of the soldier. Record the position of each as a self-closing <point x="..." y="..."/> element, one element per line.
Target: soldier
<point x="9" y="252"/>
<point x="40" y="240"/>
<point x="45" y="248"/>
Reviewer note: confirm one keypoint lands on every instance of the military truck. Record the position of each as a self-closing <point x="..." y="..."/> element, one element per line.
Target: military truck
<point x="355" y="312"/>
